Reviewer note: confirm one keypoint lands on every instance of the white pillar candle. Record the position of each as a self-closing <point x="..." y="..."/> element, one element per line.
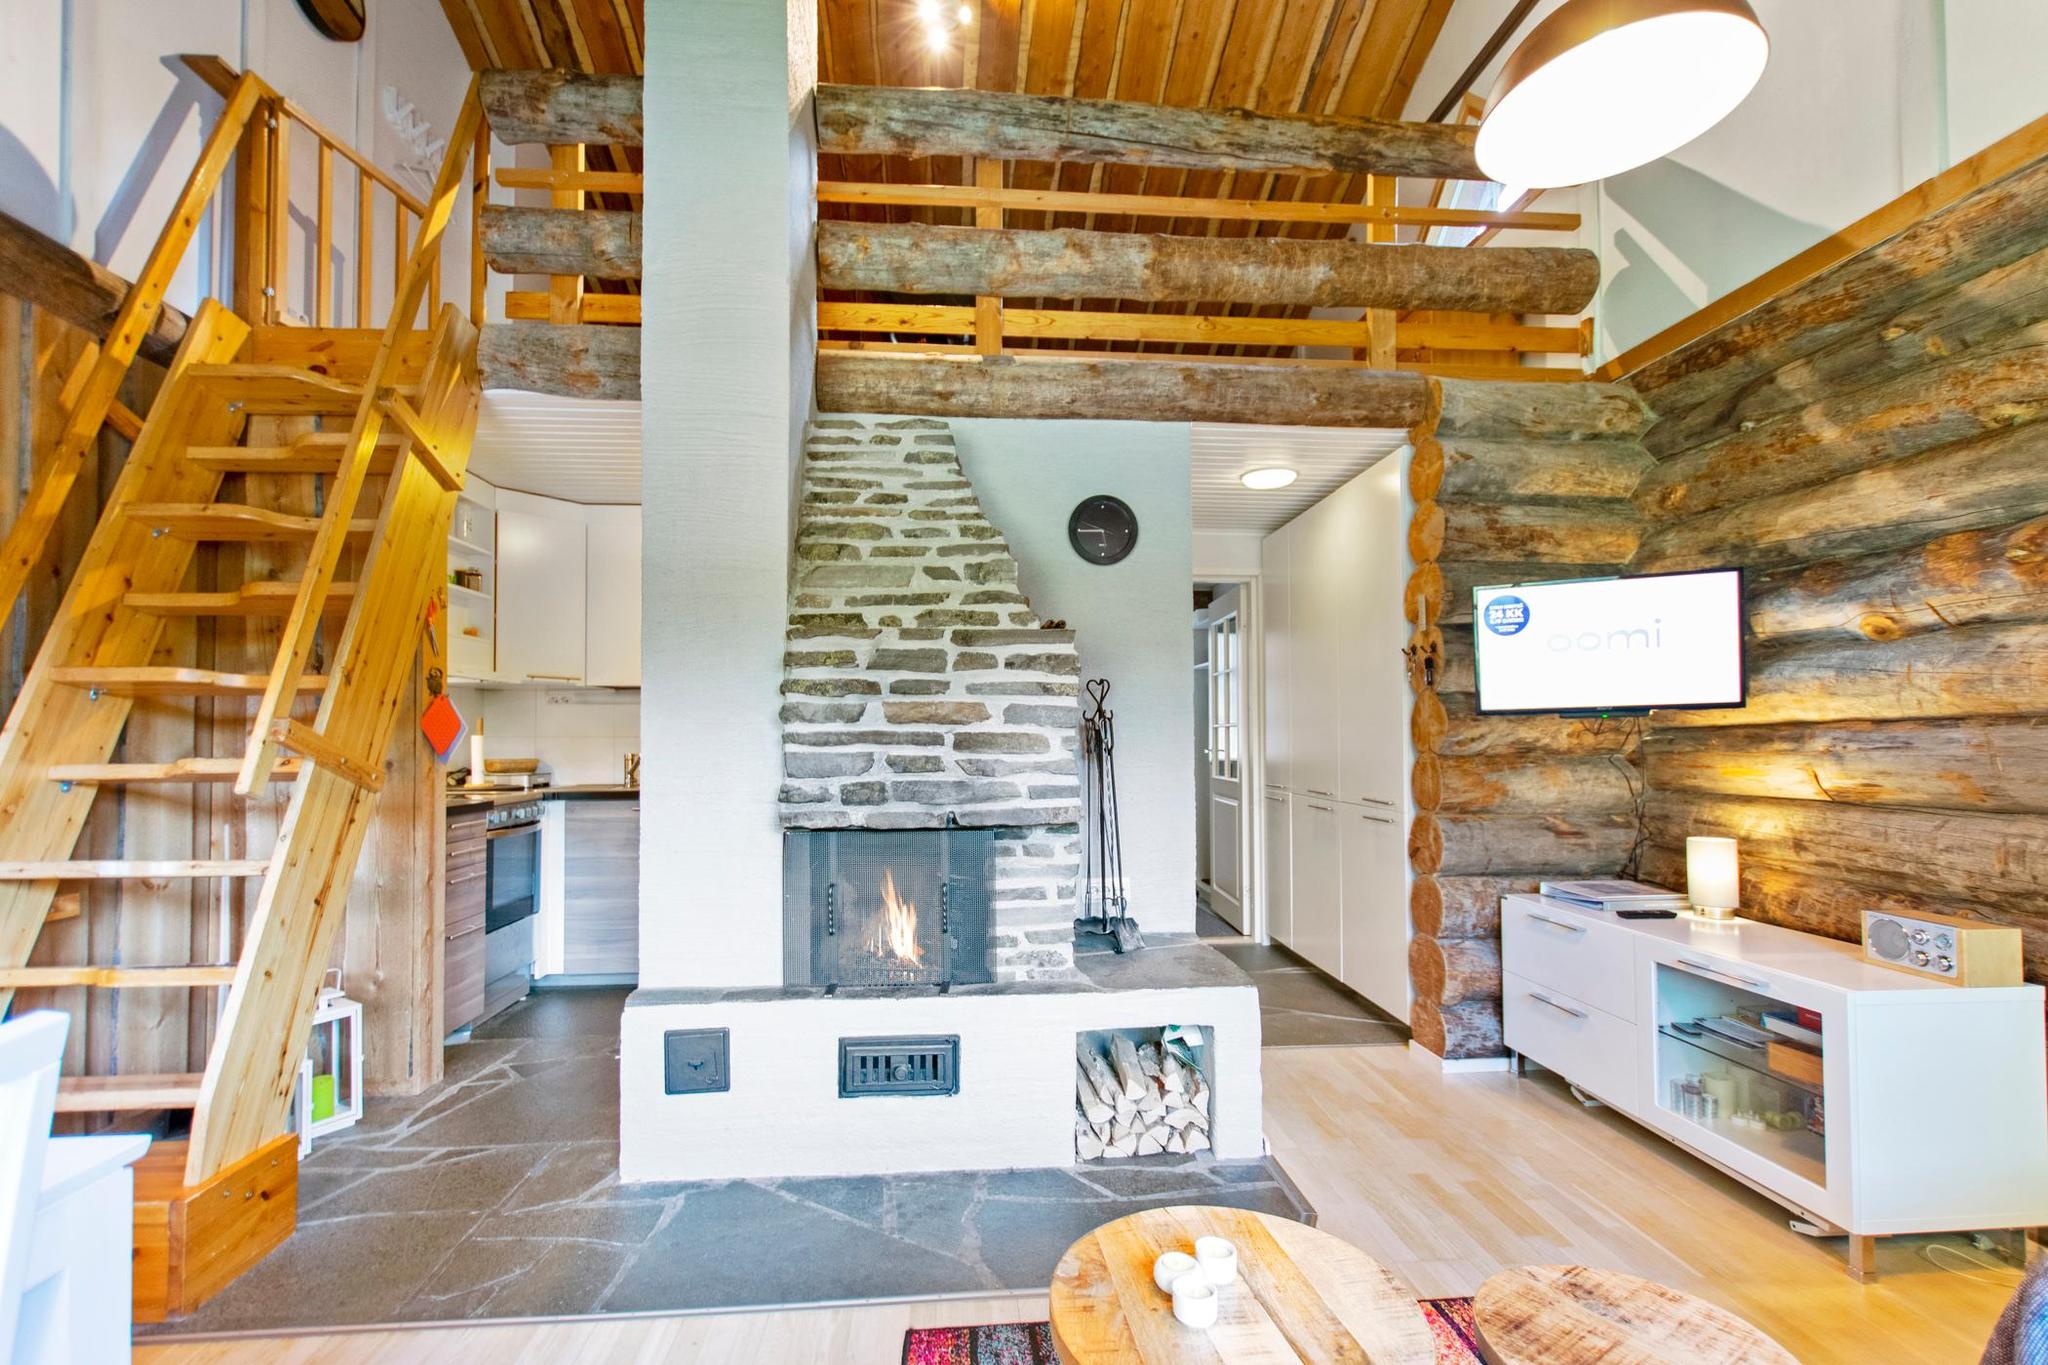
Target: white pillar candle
<point x="1713" y="880"/>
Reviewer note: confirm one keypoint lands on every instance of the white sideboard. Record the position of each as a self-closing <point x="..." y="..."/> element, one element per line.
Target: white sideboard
<point x="1933" y="1098"/>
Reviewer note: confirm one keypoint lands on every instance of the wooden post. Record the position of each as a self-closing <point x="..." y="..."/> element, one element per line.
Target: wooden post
<point x="988" y="309"/>
<point x="252" y="215"/>
<point x="479" y="195"/>
<point x="366" y="245"/>
<point x="398" y="261"/>
<point x="323" y="243"/>
<point x="1380" y="351"/>
<point x="565" y="292"/>
<point x="279" y="270"/>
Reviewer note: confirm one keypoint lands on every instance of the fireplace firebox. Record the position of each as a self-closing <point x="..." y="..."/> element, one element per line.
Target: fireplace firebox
<point x="888" y="908"/>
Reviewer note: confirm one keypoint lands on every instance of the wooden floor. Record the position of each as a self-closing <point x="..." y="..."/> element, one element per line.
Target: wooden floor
<point x="1444" y="1179"/>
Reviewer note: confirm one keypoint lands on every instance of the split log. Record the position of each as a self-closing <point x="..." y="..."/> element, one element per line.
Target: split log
<point x="1834" y="908"/>
<point x="1455" y="972"/>
<point x="1459" y="1033"/>
<point x="1939" y="405"/>
<point x="1970" y="578"/>
<point x="579" y="360"/>
<point x="1104" y="1080"/>
<point x="1987" y="670"/>
<point x="1562" y="844"/>
<point x="1088" y="1145"/>
<point x="1986" y="858"/>
<point x="1974" y="764"/>
<point x="1128" y="390"/>
<point x="43" y="271"/>
<point x="866" y="120"/>
<point x="1071" y="263"/>
<point x="1499" y="409"/>
<point x="1462" y="907"/>
<point x="561" y="107"/>
<point x="1990" y="228"/>
<point x="1093" y="1106"/>
<point x="1475" y="470"/>
<point x="1567" y="533"/>
<point x="1986" y="311"/>
<point x="1990" y="482"/>
<point x="600" y="243"/>
<point x="1448" y="726"/>
<point x="1524" y="783"/>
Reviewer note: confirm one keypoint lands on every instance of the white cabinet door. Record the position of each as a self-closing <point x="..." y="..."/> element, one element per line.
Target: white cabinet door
<point x="1373" y="699"/>
<point x="1318" y="917"/>
<point x="1274" y="595"/>
<point x="1315" y="717"/>
<point x="611" y="630"/>
<point x="540" y="590"/>
<point x="1279" y="865"/>
<point x="1375" y="906"/>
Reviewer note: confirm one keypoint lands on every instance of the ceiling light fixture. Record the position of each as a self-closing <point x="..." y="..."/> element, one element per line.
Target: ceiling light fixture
<point x="1604" y="86"/>
<point x="941" y="20"/>
<point x="1265" y="480"/>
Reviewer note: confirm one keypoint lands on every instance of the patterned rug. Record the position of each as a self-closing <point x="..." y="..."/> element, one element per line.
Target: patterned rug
<point x="1030" y="1343"/>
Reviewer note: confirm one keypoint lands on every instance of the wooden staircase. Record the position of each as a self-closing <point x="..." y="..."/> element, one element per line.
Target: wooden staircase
<point x="347" y="622"/>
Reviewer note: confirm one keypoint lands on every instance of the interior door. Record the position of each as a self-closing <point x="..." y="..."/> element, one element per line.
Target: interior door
<point x="1226" y="761"/>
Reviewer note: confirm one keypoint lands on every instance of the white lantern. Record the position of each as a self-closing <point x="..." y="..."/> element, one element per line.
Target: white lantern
<point x="1713" y="881"/>
<point x="331" y="1079"/>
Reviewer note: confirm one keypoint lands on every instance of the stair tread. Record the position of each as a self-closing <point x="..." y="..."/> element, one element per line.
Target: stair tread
<point x="251" y="599"/>
<point x="277" y="389"/>
<point x="94" y="1094"/>
<point x="177" y="770"/>
<point x="168" y="681"/>
<point x="317" y="453"/>
<point x="118" y="978"/>
<point x="132" y="869"/>
<point x="233" y="521"/>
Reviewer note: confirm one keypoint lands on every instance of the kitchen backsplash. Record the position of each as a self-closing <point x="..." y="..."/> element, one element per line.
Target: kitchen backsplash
<point x="583" y="734"/>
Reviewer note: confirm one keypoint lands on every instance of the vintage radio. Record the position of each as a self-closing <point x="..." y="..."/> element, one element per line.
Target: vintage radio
<point x="1962" y="952"/>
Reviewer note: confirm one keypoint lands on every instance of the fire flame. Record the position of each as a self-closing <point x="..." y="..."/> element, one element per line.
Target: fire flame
<point x="895" y="930"/>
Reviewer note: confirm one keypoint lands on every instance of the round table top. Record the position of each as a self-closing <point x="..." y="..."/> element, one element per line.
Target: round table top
<point x="1300" y="1295"/>
<point x="1567" y="1314"/>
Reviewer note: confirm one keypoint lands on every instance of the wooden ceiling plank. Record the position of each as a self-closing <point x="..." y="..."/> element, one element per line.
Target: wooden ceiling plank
<point x="468" y="32"/>
<point x="629" y="35"/>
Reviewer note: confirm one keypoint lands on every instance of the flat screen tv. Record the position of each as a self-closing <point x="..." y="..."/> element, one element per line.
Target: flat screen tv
<point x="1608" y="645"/>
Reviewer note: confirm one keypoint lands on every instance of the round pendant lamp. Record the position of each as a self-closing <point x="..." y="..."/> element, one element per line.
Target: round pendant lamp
<point x="1604" y="86"/>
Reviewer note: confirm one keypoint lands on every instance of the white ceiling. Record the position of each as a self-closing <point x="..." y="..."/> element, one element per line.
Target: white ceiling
<point x="1325" y="458"/>
<point x="588" y="450"/>
<point x="581" y="449"/>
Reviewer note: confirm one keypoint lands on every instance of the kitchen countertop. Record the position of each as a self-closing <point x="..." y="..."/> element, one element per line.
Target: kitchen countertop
<point x="463" y="798"/>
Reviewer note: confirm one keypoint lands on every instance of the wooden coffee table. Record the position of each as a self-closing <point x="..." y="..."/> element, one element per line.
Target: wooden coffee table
<point x="1300" y="1295"/>
<point x="1570" y="1315"/>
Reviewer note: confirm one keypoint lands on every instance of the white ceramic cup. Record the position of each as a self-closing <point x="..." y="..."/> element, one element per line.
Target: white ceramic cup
<point x="1170" y="1266"/>
<point x="1218" y="1259"/>
<point x="1194" y="1300"/>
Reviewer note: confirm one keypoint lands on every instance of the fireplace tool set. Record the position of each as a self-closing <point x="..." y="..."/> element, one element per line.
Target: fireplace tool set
<point x="1103" y="908"/>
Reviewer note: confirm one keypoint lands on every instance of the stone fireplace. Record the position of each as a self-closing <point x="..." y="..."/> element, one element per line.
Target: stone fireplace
<point x="921" y="693"/>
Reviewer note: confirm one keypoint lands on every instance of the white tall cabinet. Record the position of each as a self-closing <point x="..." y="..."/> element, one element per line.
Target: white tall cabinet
<point x="1336" y="720"/>
<point x="540" y="589"/>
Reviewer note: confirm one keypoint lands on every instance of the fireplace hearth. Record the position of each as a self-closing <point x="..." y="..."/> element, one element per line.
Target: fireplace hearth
<point x="888" y="908"/>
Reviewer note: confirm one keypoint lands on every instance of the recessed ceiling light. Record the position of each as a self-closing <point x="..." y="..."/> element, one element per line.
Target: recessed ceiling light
<point x="1603" y="86"/>
<point x="1267" y="479"/>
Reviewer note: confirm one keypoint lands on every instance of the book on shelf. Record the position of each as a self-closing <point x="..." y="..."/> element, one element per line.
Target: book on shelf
<point x="1613" y="894"/>
<point x="1791" y="1026"/>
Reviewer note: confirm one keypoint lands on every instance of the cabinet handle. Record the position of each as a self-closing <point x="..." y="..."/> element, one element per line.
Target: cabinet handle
<point x="552" y="677"/>
<point x="1313" y="792"/>
<point x="1375" y="801"/>
<point x="1277" y="800"/>
<point x="1376" y="819"/>
<point x="1313" y="806"/>
<point x="1712" y="970"/>
<point x="1563" y="924"/>
<point x="1562" y="1009"/>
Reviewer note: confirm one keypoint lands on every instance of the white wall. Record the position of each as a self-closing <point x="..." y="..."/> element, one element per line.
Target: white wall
<point x="1227" y="554"/>
<point x="726" y="383"/>
<point x="1131" y="619"/>
<point x="100" y="124"/>
<point x="1863" y="99"/>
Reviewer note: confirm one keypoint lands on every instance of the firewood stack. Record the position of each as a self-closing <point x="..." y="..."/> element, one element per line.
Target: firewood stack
<point x="1138" y="1100"/>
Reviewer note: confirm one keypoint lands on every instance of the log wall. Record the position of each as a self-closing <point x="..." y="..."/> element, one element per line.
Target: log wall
<point x="1508" y="487"/>
<point x="1870" y="446"/>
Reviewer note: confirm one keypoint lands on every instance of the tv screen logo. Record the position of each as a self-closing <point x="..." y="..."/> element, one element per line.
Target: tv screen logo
<point x="1507" y="615"/>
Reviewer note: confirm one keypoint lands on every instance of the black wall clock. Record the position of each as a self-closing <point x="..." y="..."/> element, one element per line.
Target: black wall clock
<point x="1103" y="529"/>
<point x="341" y="20"/>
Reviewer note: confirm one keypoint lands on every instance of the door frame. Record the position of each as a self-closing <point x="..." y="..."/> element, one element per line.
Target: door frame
<point x="1251" y="831"/>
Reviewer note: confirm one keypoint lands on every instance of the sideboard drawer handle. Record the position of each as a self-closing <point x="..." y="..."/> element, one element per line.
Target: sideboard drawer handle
<point x="1562" y="1009"/>
<point x="1564" y="924"/>
<point x="1710" y="968"/>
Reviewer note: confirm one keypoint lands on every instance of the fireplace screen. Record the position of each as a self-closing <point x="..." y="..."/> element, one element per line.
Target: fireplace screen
<point x="886" y="907"/>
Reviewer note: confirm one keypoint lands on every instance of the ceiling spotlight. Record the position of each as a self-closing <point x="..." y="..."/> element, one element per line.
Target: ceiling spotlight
<point x="1267" y="479"/>
<point x="1603" y="86"/>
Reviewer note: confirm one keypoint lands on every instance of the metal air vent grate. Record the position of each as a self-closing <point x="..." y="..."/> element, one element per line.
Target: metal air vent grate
<point x="899" y="1066"/>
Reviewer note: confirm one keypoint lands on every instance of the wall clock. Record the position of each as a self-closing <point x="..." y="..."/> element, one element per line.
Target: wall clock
<point x="1103" y="529"/>
<point x="341" y="20"/>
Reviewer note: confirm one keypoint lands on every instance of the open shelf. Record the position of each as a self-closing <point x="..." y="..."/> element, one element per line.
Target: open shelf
<point x="1751" y="1058"/>
<point x="457" y="590"/>
<point x="469" y="548"/>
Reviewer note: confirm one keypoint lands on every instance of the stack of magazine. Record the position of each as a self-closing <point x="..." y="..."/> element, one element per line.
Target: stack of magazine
<point x="1613" y="895"/>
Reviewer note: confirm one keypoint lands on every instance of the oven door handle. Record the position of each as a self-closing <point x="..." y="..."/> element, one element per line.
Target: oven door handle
<point x="507" y="831"/>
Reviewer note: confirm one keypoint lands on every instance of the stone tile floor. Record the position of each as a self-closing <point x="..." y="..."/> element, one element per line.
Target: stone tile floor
<point x="1299" y="1006"/>
<point x="496" y="1195"/>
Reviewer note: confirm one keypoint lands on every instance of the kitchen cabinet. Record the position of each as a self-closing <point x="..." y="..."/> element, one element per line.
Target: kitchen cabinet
<point x="541" y="589"/>
<point x="1318" y="593"/>
<point x="611" y="630"/>
<point x="1277" y="617"/>
<point x="601" y="887"/>
<point x="1279" y="864"/>
<point x="1371" y="630"/>
<point x="462" y="967"/>
<point x="1373" y="902"/>
<point x="1318" y="927"/>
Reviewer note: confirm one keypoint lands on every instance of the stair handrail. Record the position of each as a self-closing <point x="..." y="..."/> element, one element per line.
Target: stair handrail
<point x="96" y="397"/>
<point x="295" y="645"/>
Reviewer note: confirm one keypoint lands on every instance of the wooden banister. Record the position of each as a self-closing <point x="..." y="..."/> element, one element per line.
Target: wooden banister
<point x="95" y="400"/>
<point x="296" y="639"/>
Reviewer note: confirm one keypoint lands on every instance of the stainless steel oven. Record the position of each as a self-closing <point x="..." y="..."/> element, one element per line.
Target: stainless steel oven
<point x="512" y="865"/>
